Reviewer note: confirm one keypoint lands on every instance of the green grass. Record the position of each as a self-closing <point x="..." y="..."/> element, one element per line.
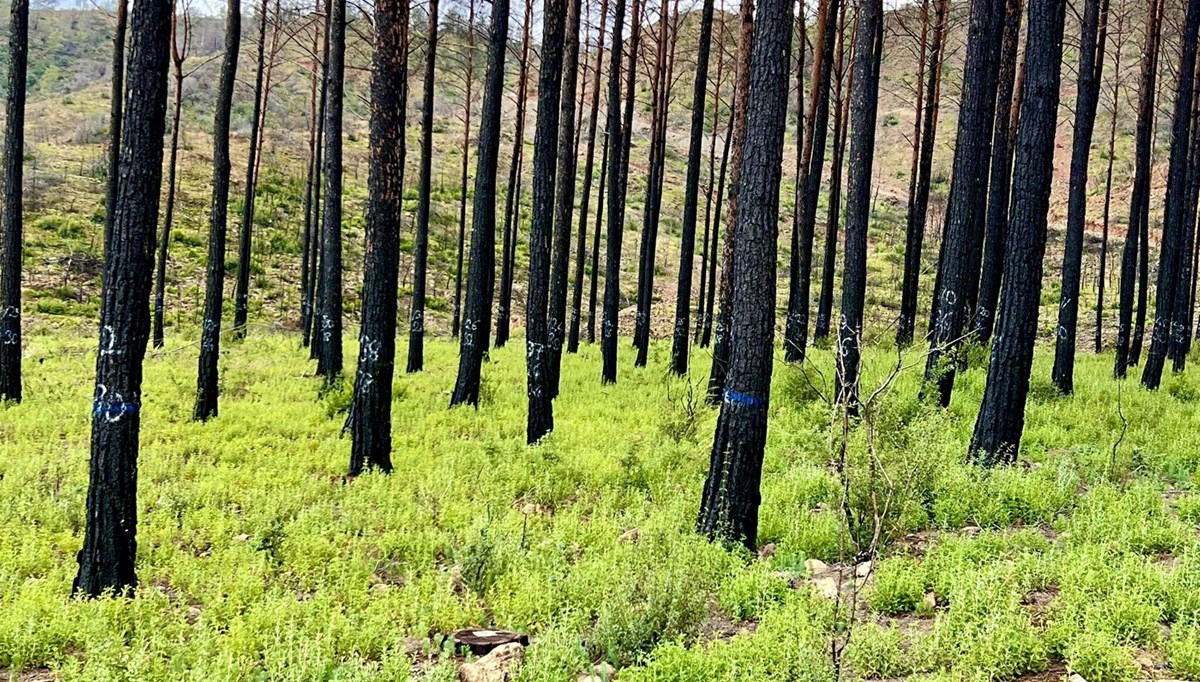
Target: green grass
<point x="257" y="560"/>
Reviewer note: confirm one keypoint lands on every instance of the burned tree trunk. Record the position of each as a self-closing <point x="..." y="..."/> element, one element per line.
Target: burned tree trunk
<point x="545" y="162"/>
<point x="512" y="199"/>
<point x="691" y="198"/>
<point x="1175" y="212"/>
<point x="841" y="115"/>
<point x="241" y="298"/>
<point x="564" y="198"/>
<point x="180" y="46"/>
<point x="370" y="420"/>
<point x="1127" y="350"/>
<point x="207" y="384"/>
<point x="1087" y="99"/>
<point x="729" y="507"/>
<point x="864" y="104"/>
<point x="962" y="241"/>
<point x="618" y="166"/>
<point x="795" y="338"/>
<point x="592" y="286"/>
<point x="106" y="560"/>
<point x="1002" y="414"/>
<point x="12" y="221"/>
<point x="721" y="357"/>
<point x="918" y="200"/>
<point x="329" y="363"/>
<point x="416" y="322"/>
<point x="996" y="227"/>
<point x="469" y="82"/>
<point x="115" y="104"/>
<point x="481" y="274"/>
<point x="710" y="303"/>
<point x="1102" y="280"/>
<point x="585" y="198"/>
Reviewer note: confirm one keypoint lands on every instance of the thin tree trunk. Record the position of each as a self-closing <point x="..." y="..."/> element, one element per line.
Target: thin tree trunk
<point x="996" y="226"/>
<point x="179" y="50"/>
<point x="241" y="306"/>
<point x="585" y="200"/>
<point x="208" y="379"/>
<point x="106" y="560"/>
<point x="115" y="104"/>
<point x="311" y="225"/>
<point x="864" y="104"/>
<point x="691" y="198"/>
<point x="706" y="336"/>
<point x="721" y="347"/>
<point x="416" y="323"/>
<point x="466" y="166"/>
<point x="1087" y="99"/>
<point x="481" y="274"/>
<point x="592" y="287"/>
<point x="512" y="202"/>
<point x="918" y="200"/>
<point x="619" y="124"/>
<point x="701" y="309"/>
<point x="840" y="125"/>
<point x="329" y="364"/>
<point x="564" y="198"/>
<point x="1108" y="184"/>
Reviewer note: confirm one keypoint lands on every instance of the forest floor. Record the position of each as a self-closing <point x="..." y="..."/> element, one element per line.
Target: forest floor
<point x="258" y="559"/>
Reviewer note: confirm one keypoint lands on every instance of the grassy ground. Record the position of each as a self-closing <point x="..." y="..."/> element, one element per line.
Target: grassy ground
<point x="259" y="561"/>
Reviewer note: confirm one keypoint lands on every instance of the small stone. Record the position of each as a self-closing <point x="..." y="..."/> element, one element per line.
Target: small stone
<point x="380" y="587"/>
<point x="863" y="570"/>
<point x="930" y="600"/>
<point x="601" y="672"/>
<point x="500" y="665"/>
<point x="631" y="535"/>
<point x="244" y="537"/>
<point x="972" y="531"/>
<point x="374" y="579"/>
<point x="1076" y="677"/>
<point x="827" y="587"/>
<point x="816" y="567"/>
<point x="193" y="614"/>
<point x="766" y="551"/>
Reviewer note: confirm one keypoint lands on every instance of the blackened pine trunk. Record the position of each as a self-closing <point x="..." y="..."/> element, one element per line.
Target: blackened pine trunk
<point x="795" y="338"/>
<point x="653" y="206"/>
<point x="1181" y="335"/>
<point x="1087" y="99"/>
<point x="729" y="507"/>
<point x="617" y="160"/>
<point x="1002" y="415"/>
<point x="595" y="274"/>
<point x="11" y="223"/>
<point x="564" y="198"/>
<point x="585" y="199"/>
<point x="841" y="116"/>
<point x="481" y="273"/>
<point x="316" y="281"/>
<point x="709" y="236"/>
<point x="1143" y="294"/>
<point x="918" y="200"/>
<point x="1108" y="185"/>
<point x="106" y="561"/>
<point x="914" y="170"/>
<point x="962" y="241"/>
<point x="721" y="349"/>
<point x="370" y="421"/>
<point x="864" y="104"/>
<point x="115" y="105"/>
<point x="241" y="296"/>
<point x="308" y="255"/>
<point x="1139" y="203"/>
<point x="466" y="167"/>
<point x="710" y="302"/>
<point x="329" y="364"/>
<point x="541" y="227"/>
<point x="208" y="374"/>
<point x="416" y="321"/>
<point x="512" y="199"/>
<point x="691" y="198"/>
<point x="1171" y="255"/>
<point x="996" y="226"/>
<point x="179" y="48"/>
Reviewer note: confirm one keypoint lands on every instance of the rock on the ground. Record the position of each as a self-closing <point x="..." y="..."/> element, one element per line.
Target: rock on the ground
<point x="499" y="666"/>
<point x="630" y="535"/>
<point x="827" y="586"/>
<point x="601" y="672"/>
<point x="816" y="567"/>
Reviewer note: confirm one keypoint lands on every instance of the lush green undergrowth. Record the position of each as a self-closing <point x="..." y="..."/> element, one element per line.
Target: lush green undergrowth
<point x="257" y="560"/>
